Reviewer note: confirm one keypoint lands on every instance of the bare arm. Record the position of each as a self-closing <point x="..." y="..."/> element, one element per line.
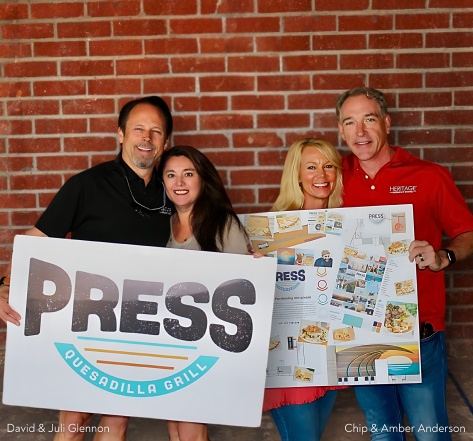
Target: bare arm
<point x="437" y="260"/>
<point x="7" y="314"/>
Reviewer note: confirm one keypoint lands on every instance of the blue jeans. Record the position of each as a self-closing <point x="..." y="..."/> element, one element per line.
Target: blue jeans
<point x="304" y="422"/>
<point x="424" y="403"/>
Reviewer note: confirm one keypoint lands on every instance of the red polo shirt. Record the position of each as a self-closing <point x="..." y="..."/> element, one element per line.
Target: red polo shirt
<point x="438" y="206"/>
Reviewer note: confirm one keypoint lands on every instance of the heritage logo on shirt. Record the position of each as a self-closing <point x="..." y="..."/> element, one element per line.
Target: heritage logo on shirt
<point x="398" y="189"/>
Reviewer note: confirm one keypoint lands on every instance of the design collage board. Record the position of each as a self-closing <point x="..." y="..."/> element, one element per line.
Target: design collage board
<point x="345" y="305"/>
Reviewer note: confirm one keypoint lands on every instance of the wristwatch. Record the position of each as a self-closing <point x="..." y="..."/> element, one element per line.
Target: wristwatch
<point x="5" y="281"/>
<point x="451" y="256"/>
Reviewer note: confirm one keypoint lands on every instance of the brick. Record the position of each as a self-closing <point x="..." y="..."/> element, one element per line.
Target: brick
<point x="115" y="47"/>
<point x="17" y="200"/>
<point x="24" y="218"/>
<point x="449" y="155"/>
<point x="394" y="41"/>
<point x="143" y="66"/>
<point x="170" y="7"/>
<point x="172" y="46"/>
<point x="462" y="173"/>
<point x="112" y="86"/>
<point x="84" y="29"/>
<point x="448" y="117"/>
<point x="422" y="21"/>
<point x="45" y="199"/>
<point x="330" y="135"/>
<point x="241" y="196"/>
<point x="226" y="6"/>
<point x="60" y="49"/>
<point x="283" y="120"/>
<point x="88" y="106"/>
<point x="3" y="183"/>
<point x="255" y="208"/>
<point x="257" y="139"/>
<point x="396" y="81"/>
<point x="27" y="31"/>
<point x="17" y="127"/>
<point x="59" y="88"/>
<point x="365" y="23"/>
<point x="3" y="145"/>
<point x="34" y="145"/>
<point x="405" y="118"/>
<point x="226" y="45"/>
<point x="90" y="144"/>
<point x="284" y="6"/>
<point x="7" y="235"/>
<point x="87" y="68"/>
<point x="425" y="99"/>
<point x="99" y="159"/>
<point x="424" y="137"/>
<point x="341" y="5"/>
<point x="459" y="298"/>
<point x="230" y="159"/>
<point x="198" y="64"/>
<point x="268" y="195"/>
<point x="257" y="102"/>
<point x="13" y="11"/>
<point x="337" y="81"/>
<point x="463" y="136"/>
<point x="5" y="222"/>
<point x="15" y="50"/>
<point x="196" y="26"/>
<point x="462" y="315"/>
<point x="202" y="141"/>
<point x="228" y="83"/>
<point x="114" y="9"/>
<point x="57" y="10"/>
<point x="253" y="64"/>
<point x="225" y="122"/>
<point x="272" y="157"/>
<point x="17" y="89"/>
<point x="423" y="60"/>
<point x="463" y="20"/>
<point x="184" y="123"/>
<point x="339" y="42"/>
<point x="299" y="63"/>
<point x="312" y="100"/>
<point x="138" y="27"/>
<point x="5" y="254"/>
<point x="255" y="177"/>
<point x="199" y="104"/>
<point x="48" y="126"/>
<point x="463" y="59"/>
<point x="32" y="107"/>
<point x="253" y="24"/>
<point x="453" y="79"/>
<point x="466" y="191"/>
<point x="459" y="331"/>
<point x="168" y="85"/>
<point x="310" y="23"/>
<point x="283" y="43"/>
<point x="64" y="162"/>
<point x="104" y="125"/>
<point x="33" y="182"/>
<point x="30" y="69"/>
<point x="283" y="82"/>
<point x="450" y="4"/>
<point x="449" y="40"/>
<point x="395" y="4"/>
<point x="368" y="61"/>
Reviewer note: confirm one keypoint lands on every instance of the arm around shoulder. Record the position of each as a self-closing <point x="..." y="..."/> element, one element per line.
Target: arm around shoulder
<point x="235" y="239"/>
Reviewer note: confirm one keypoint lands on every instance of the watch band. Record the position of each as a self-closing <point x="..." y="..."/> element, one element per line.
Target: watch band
<point x="5" y="281"/>
<point x="451" y="256"/>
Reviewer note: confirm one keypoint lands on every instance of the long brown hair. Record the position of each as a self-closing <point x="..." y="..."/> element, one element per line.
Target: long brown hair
<point x="212" y="211"/>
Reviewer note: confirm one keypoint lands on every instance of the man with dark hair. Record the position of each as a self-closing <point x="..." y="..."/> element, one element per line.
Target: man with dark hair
<point x="121" y="201"/>
<point x="379" y="174"/>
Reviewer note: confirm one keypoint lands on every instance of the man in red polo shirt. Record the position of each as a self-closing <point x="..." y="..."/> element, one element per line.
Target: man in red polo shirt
<point x="376" y="173"/>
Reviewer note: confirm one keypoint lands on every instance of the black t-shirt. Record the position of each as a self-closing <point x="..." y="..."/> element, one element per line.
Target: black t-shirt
<point x="102" y="204"/>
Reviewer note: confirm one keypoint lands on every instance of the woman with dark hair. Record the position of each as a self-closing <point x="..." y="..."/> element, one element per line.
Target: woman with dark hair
<point x="204" y="220"/>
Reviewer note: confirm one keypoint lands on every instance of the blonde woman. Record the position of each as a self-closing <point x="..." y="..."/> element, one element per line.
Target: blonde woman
<point x="311" y="179"/>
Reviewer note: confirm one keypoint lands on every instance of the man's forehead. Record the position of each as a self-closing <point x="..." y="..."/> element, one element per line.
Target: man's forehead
<point x="360" y="104"/>
<point x="146" y="112"/>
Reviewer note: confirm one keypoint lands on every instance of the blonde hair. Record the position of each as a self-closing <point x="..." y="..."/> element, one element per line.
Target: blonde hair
<point x="290" y="195"/>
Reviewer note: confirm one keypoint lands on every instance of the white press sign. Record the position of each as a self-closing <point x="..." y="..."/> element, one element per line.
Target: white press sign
<point x="139" y="331"/>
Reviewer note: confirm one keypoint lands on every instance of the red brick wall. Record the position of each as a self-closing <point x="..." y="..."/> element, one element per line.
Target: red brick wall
<point x="243" y="78"/>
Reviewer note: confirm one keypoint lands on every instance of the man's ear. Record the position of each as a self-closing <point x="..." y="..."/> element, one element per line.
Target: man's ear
<point x="340" y="129"/>
<point x="120" y="135"/>
<point x="387" y="121"/>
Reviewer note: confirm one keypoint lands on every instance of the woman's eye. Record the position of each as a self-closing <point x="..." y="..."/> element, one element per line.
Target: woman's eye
<point x="329" y="166"/>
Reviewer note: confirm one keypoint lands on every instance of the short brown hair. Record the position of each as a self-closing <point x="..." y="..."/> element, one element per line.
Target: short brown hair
<point x="372" y="94"/>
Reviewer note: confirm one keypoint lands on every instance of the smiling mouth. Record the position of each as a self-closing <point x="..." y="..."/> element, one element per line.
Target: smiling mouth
<point x="324" y="185"/>
<point x="181" y="192"/>
<point x="363" y="142"/>
<point x="144" y="148"/>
